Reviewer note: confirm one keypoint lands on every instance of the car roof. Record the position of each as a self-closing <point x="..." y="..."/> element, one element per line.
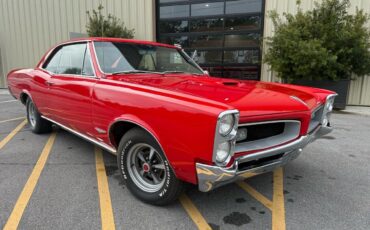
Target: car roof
<point x="124" y="40"/>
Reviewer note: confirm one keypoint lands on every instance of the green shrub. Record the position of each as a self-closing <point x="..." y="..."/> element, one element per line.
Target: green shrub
<point x="324" y="43"/>
<point x="100" y="26"/>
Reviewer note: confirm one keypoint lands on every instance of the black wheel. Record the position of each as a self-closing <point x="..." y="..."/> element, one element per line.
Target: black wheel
<point x="146" y="170"/>
<point x="37" y="123"/>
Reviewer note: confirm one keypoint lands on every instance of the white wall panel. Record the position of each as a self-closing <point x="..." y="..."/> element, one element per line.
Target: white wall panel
<point x="28" y="28"/>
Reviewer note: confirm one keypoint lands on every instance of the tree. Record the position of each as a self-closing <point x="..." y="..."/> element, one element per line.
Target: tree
<point x="324" y="43"/>
<point x="100" y="26"/>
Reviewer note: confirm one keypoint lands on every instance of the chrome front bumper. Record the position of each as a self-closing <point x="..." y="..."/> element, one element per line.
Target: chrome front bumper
<point x="211" y="177"/>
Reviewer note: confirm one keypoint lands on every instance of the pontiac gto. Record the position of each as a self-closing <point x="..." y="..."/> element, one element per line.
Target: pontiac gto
<point x="168" y="121"/>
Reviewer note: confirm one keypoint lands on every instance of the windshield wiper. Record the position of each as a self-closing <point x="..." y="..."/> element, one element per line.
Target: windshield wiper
<point x="133" y="71"/>
<point x="166" y="72"/>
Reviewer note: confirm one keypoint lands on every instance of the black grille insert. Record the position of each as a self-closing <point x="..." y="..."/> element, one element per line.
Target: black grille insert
<point x="261" y="131"/>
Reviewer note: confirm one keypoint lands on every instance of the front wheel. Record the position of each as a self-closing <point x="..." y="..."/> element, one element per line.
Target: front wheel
<point x="37" y="123"/>
<point x="146" y="170"/>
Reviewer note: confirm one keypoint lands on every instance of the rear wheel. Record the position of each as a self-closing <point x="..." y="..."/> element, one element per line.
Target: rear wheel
<point x="37" y="123"/>
<point x="146" y="170"/>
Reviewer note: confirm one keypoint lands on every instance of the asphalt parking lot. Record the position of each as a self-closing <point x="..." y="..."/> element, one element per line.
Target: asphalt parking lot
<point x="59" y="181"/>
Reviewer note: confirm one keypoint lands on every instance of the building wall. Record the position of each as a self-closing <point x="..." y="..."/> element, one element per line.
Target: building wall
<point x="359" y="93"/>
<point x="28" y="28"/>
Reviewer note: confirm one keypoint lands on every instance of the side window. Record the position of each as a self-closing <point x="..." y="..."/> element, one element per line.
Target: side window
<point x="87" y="69"/>
<point x="52" y="65"/>
<point x="71" y="60"/>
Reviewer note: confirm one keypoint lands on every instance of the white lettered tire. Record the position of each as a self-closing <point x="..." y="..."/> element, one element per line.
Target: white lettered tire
<point x="146" y="170"/>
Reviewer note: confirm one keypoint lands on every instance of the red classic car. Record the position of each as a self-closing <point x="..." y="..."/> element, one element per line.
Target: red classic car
<point x="165" y="118"/>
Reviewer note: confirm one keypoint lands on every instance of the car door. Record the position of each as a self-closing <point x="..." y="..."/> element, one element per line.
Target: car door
<point x="70" y="88"/>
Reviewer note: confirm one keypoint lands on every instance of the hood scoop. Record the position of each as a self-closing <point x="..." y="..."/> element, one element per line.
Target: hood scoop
<point x="230" y="83"/>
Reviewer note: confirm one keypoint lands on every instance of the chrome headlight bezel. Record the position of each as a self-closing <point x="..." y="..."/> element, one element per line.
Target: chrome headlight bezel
<point x="328" y="109"/>
<point x="222" y="137"/>
<point x="227" y="120"/>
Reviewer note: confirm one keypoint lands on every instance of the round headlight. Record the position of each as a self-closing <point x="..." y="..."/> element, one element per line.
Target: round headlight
<point x="223" y="152"/>
<point x="226" y="124"/>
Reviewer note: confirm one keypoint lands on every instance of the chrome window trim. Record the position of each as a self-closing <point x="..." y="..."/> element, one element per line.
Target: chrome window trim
<point x="62" y="44"/>
<point x="64" y="74"/>
<point x="97" y="61"/>
<point x="289" y="134"/>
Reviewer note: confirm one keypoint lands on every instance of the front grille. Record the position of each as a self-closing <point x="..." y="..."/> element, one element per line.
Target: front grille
<point x="316" y="117"/>
<point x="261" y="131"/>
<point x="264" y="135"/>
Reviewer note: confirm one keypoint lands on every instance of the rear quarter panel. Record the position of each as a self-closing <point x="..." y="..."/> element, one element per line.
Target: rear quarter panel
<point x="31" y="82"/>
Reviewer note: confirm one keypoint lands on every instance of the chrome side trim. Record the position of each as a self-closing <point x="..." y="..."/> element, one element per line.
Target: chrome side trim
<point x="100" y="144"/>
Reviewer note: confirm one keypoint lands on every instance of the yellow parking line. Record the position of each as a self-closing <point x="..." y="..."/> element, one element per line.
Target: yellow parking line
<point x="278" y="209"/>
<point x="1" y="102"/>
<point x="256" y="195"/>
<point x="27" y="191"/>
<point x="193" y="212"/>
<point x="12" y="134"/>
<point x="106" y="212"/>
<point x="13" y="119"/>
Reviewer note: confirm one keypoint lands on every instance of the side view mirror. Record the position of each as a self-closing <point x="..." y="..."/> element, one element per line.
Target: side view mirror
<point x="206" y="72"/>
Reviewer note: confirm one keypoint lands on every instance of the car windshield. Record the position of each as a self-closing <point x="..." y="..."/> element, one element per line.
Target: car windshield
<point x="119" y="57"/>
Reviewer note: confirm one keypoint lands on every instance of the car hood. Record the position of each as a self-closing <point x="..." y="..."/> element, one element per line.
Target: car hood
<point x="249" y="97"/>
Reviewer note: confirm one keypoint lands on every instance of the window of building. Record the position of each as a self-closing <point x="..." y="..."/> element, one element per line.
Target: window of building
<point x="243" y="23"/>
<point x="207" y="8"/>
<point x="178" y="26"/>
<point x="243" y="6"/>
<point x="225" y="33"/>
<point x="175" y="11"/>
<point x="207" y="25"/>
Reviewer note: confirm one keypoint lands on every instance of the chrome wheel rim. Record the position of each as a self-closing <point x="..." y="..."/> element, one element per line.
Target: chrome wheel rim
<point x="146" y="167"/>
<point x="32" y="114"/>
